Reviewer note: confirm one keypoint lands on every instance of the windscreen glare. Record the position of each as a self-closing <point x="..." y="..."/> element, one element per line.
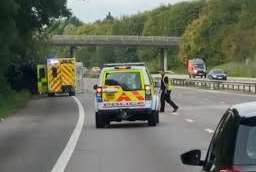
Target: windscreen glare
<point x="129" y="81"/>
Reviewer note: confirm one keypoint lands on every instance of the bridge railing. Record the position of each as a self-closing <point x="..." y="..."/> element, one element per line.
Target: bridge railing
<point x="115" y="39"/>
<point x="238" y="86"/>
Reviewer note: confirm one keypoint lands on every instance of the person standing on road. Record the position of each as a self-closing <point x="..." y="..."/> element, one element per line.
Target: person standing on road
<point x="166" y="88"/>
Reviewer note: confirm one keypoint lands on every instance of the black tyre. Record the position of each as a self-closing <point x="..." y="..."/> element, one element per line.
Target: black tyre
<point x="157" y="116"/>
<point x="152" y="120"/>
<point x="51" y="94"/>
<point x="100" y="123"/>
<point x="72" y="93"/>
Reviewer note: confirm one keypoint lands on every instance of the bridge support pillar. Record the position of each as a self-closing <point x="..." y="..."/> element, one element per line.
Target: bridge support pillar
<point x="72" y="52"/>
<point x="163" y="59"/>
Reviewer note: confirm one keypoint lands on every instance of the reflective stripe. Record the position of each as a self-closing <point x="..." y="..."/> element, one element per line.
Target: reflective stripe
<point x="169" y="85"/>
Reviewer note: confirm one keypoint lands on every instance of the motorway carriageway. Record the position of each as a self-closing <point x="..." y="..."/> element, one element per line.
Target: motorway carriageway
<point x="58" y="134"/>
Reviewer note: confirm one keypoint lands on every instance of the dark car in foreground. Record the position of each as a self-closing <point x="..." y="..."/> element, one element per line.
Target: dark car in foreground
<point x="233" y="145"/>
<point x="217" y="74"/>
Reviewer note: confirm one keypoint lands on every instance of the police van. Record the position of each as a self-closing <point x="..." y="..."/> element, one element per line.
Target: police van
<point x="126" y="92"/>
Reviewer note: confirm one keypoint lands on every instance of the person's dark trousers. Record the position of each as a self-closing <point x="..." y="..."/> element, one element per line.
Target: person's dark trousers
<point x="167" y="97"/>
<point x="162" y="100"/>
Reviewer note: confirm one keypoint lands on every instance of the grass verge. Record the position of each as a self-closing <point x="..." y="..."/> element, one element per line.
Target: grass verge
<point x="239" y="69"/>
<point x="13" y="101"/>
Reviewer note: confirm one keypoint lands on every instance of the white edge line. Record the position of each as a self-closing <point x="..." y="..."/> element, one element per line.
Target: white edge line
<point x="189" y="120"/>
<point x="65" y="156"/>
<point x="209" y="130"/>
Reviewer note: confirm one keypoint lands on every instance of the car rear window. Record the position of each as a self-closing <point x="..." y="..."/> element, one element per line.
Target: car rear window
<point x="129" y="81"/>
<point x="245" y="152"/>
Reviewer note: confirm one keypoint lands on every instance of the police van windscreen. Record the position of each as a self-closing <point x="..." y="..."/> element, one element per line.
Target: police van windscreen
<point x="129" y="81"/>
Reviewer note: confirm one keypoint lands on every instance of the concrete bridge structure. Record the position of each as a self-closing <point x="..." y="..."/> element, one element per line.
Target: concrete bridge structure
<point x="161" y="42"/>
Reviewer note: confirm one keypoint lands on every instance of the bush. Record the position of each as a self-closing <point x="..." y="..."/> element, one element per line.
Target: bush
<point x="11" y="101"/>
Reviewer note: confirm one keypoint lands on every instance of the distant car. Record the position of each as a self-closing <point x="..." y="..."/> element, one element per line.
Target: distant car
<point x="126" y="92"/>
<point x="233" y="145"/>
<point x="196" y="67"/>
<point x="217" y="74"/>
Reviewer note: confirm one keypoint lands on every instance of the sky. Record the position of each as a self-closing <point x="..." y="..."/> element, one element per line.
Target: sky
<point x="92" y="10"/>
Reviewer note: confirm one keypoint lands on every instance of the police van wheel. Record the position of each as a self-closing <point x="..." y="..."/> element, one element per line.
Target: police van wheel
<point x="152" y="120"/>
<point x="157" y="116"/>
<point x="100" y="123"/>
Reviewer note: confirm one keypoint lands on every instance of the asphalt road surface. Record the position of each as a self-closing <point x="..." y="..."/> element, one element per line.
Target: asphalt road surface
<point x="34" y="139"/>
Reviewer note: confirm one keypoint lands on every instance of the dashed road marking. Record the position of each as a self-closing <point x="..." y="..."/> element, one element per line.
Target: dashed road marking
<point x="175" y="114"/>
<point x="209" y="130"/>
<point x="65" y="156"/>
<point x="189" y="120"/>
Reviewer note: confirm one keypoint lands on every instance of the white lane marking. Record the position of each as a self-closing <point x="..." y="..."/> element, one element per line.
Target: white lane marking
<point x="216" y="91"/>
<point x="222" y="102"/>
<point x="209" y="130"/>
<point x="190" y="120"/>
<point x="65" y="156"/>
<point x="175" y="114"/>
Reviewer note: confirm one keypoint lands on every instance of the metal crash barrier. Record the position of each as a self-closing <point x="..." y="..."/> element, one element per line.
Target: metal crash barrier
<point x="247" y="87"/>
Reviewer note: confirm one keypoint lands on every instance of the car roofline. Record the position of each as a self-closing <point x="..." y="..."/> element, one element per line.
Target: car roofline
<point x="245" y="110"/>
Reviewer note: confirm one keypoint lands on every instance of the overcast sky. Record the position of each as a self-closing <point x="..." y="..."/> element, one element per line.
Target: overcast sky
<point x="91" y="10"/>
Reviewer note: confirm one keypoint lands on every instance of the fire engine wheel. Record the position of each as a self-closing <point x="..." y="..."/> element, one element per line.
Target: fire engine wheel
<point x="72" y="93"/>
<point x="100" y="123"/>
<point x="152" y="120"/>
<point x="51" y="94"/>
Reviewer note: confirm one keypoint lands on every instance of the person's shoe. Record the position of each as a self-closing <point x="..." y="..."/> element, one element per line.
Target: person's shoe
<point x="176" y="109"/>
<point x="161" y="111"/>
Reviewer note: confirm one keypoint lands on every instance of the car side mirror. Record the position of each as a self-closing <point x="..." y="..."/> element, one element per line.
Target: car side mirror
<point x="95" y="86"/>
<point x="192" y="158"/>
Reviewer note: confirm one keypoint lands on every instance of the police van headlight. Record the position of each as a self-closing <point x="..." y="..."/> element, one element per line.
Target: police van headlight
<point x="148" y="95"/>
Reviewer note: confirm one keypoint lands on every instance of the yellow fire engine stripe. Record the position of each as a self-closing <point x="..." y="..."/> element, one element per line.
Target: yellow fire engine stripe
<point x="65" y="82"/>
<point x="66" y="77"/>
<point x="55" y="83"/>
<point x="69" y="69"/>
<point x="57" y="86"/>
<point x="70" y="72"/>
<point x="66" y="74"/>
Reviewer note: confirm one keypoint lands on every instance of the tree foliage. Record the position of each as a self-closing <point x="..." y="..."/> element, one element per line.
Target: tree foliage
<point x="170" y="20"/>
<point x="224" y="32"/>
<point x="21" y="26"/>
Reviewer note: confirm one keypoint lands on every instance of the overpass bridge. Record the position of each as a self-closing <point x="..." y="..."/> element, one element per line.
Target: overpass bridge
<point x="161" y="42"/>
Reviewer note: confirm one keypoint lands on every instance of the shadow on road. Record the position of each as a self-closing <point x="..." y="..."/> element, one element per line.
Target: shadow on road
<point x="128" y="125"/>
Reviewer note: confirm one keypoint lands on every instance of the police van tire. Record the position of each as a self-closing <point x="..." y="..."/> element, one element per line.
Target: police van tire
<point x="100" y="123"/>
<point x="152" y="120"/>
<point x="157" y="116"/>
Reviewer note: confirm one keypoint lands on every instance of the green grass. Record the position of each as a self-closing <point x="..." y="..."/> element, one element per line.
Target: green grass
<point x="239" y="69"/>
<point x="12" y="101"/>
